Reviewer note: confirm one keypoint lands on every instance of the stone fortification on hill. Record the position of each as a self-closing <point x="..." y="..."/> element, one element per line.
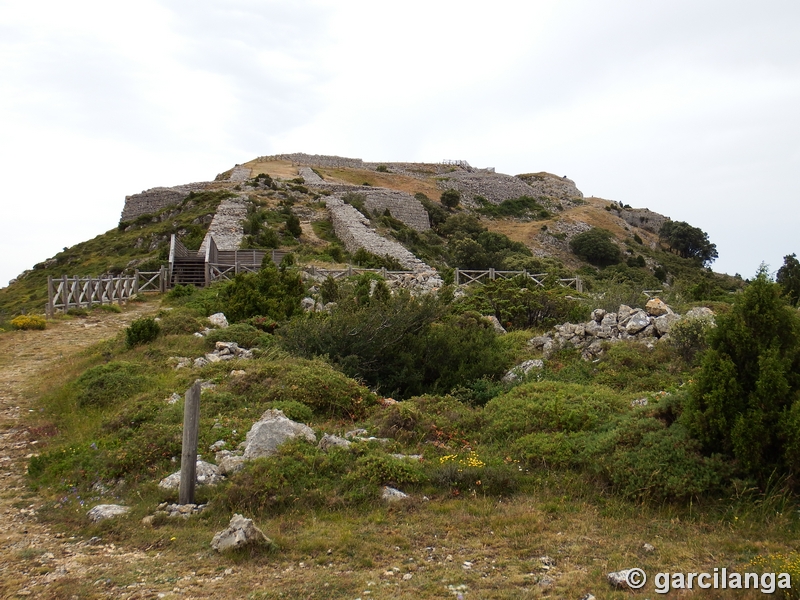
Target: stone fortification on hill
<point x="495" y="187"/>
<point x="226" y="227"/>
<point x="401" y="205"/>
<point x="643" y="218"/>
<point x="552" y="186"/>
<point x="154" y="199"/>
<point x="354" y="230"/>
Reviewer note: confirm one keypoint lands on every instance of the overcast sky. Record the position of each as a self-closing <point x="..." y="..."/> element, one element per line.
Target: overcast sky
<point x="689" y="108"/>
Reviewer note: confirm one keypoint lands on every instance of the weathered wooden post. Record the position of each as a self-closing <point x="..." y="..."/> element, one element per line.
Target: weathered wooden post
<point x="162" y="280"/>
<point x="65" y="292"/>
<point x="191" y="429"/>
<point x="50" y="309"/>
<point x="456" y="277"/>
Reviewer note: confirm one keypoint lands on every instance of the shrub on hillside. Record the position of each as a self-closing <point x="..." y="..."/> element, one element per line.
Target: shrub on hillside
<point x="29" y="322"/>
<point x="180" y="322"/>
<point x="142" y="331"/>
<point x="246" y="336"/>
<point x="270" y="292"/>
<point x="450" y="198"/>
<point x="113" y="382"/>
<point x="313" y="383"/>
<point x="596" y="247"/>
<point x="746" y="399"/>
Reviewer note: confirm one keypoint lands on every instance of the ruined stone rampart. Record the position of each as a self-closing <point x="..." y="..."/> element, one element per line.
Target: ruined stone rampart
<point x="154" y="199"/>
<point x="317" y="160"/>
<point x="226" y="227"/>
<point x="551" y="186"/>
<point x="643" y="218"/>
<point x="401" y="205"/>
<point x="495" y="187"/>
<point x="355" y="232"/>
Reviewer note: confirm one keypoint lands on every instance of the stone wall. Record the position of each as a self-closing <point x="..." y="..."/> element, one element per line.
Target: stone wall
<point x="154" y="199"/>
<point x="495" y="187"/>
<point x="318" y="160"/>
<point x="551" y="186"/>
<point x="226" y="226"/>
<point x="643" y="218"/>
<point x="355" y="232"/>
<point x="401" y="205"/>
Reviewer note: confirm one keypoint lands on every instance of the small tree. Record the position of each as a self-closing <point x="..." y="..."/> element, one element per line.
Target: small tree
<point x="451" y="198"/>
<point x="746" y="400"/>
<point x="789" y="278"/>
<point x="596" y="247"/>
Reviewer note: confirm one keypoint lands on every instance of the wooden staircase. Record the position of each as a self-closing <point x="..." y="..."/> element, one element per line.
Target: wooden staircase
<point x="190" y="268"/>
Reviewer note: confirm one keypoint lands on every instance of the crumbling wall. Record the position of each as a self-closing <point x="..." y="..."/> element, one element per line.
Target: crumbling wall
<point x="551" y="186"/>
<point x="154" y="199"/>
<point x="354" y="230"/>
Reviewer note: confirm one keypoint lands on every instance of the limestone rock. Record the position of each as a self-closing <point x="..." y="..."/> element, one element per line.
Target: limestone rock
<point x="619" y="579"/>
<point x="205" y="474"/>
<point x="522" y="369"/>
<point x="333" y="441"/>
<point x="101" y="512"/>
<point x="598" y="314"/>
<point x="392" y="495"/>
<point x="230" y="464"/>
<point x="218" y="320"/>
<point x="656" y="307"/>
<point x="308" y="304"/>
<point x="700" y="312"/>
<point x="638" y="321"/>
<point x="272" y="430"/>
<point x="624" y="313"/>
<point x="240" y="532"/>
<point x="495" y="324"/>
<point x="665" y="322"/>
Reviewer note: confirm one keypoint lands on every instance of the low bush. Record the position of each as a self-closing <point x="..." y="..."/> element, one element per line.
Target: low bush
<point x="28" y="322"/>
<point x="113" y="382"/>
<point x="245" y="335"/>
<point x="142" y="331"/>
<point x="181" y="322"/>
<point x="313" y="383"/>
<point x="596" y="247"/>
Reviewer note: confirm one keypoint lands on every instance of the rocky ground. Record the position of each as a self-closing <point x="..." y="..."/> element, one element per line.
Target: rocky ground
<point x="34" y="561"/>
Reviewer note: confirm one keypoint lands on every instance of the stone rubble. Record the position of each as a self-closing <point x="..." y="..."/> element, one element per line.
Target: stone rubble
<point x="390" y="494"/>
<point x="226" y="226"/>
<point x="101" y="512"/>
<point x="205" y="474"/>
<point x="240" y="532"/>
<point x="272" y="430"/>
<point x="644" y="325"/>
<point x="522" y="370"/>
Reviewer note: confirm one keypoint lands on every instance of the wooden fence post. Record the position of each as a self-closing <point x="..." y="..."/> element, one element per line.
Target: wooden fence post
<point x="65" y="292"/>
<point x="191" y="429"/>
<point x="136" y="281"/>
<point x="456" y="277"/>
<point x="50" y="301"/>
<point x="162" y="280"/>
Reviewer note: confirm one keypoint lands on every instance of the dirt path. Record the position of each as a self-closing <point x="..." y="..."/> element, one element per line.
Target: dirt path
<point x="33" y="560"/>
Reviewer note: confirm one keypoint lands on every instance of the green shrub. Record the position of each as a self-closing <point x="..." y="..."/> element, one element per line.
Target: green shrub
<point x="181" y="291"/>
<point x="78" y="312"/>
<point x="270" y="292"/>
<point x="382" y="469"/>
<point x="549" y="406"/>
<point x="689" y="337"/>
<point x="596" y="247"/>
<point x="246" y="336"/>
<point x="450" y="198"/>
<point x="467" y="473"/>
<point x="180" y="322"/>
<point x="745" y="401"/>
<point x="29" y="322"/>
<point x="300" y="476"/>
<point x="296" y="411"/>
<point x="104" y="384"/>
<point x="522" y="207"/>
<point x="382" y="169"/>
<point x="142" y="331"/>
<point x="313" y="383"/>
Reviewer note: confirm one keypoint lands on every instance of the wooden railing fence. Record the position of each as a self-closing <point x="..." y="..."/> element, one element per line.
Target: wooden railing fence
<point x="460" y="276"/>
<point x="80" y="292"/>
